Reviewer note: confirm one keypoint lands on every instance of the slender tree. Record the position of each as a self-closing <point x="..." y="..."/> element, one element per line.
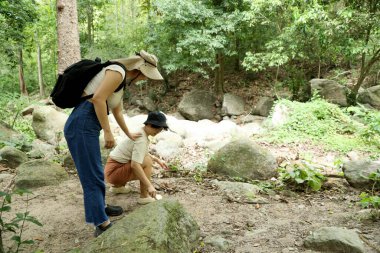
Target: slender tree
<point x="68" y="34"/>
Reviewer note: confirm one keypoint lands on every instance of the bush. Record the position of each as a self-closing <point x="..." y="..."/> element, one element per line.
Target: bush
<point x="302" y="176"/>
<point x="323" y="123"/>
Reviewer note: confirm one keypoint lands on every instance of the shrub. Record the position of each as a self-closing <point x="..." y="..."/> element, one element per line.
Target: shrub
<point x="302" y="176"/>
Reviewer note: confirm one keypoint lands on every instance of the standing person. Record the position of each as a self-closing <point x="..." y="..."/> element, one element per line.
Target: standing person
<point x="130" y="160"/>
<point x="83" y="126"/>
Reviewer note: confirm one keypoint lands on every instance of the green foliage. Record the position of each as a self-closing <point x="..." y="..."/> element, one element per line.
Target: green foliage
<point x="17" y="224"/>
<point x="321" y="123"/>
<point x="302" y="175"/>
<point x="372" y="200"/>
<point x="12" y="105"/>
<point x="371" y="118"/>
<point x="369" y="201"/>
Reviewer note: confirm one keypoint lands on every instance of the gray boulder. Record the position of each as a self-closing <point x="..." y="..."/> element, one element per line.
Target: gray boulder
<point x="12" y="157"/>
<point x="48" y="124"/>
<point x="168" y="145"/>
<point x="357" y="172"/>
<point x="160" y="227"/>
<point x="13" y="138"/>
<point x="41" y="149"/>
<point x="38" y="173"/>
<point x="245" y="159"/>
<point x="263" y="106"/>
<point x="370" y="96"/>
<point x="197" y="104"/>
<point x="335" y="240"/>
<point x="232" y="104"/>
<point x="330" y="90"/>
<point x="149" y="104"/>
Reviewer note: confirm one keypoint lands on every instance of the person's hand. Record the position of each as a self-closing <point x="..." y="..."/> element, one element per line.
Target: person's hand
<point x="152" y="191"/>
<point x="134" y="136"/>
<point x="109" y="141"/>
<point x="163" y="164"/>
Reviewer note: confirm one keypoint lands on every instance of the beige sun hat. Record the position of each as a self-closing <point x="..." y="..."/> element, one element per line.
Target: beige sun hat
<point x="145" y="62"/>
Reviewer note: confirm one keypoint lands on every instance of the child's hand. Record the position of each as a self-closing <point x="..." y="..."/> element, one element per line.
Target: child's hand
<point x="163" y="164"/>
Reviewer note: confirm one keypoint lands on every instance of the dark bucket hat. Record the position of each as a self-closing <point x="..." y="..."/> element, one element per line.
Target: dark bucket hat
<point x="157" y="119"/>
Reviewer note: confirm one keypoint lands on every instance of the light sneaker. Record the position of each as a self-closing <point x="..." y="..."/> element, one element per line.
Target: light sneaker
<point x="120" y="190"/>
<point x="144" y="201"/>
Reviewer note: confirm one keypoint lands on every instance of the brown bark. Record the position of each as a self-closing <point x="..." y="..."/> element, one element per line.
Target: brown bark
<point x="68" y="34"/>
<point x="21" y="79"/>
<point x="39" y="66"/>
<point x="219" y="74"/>
<point x="90" y="24"/>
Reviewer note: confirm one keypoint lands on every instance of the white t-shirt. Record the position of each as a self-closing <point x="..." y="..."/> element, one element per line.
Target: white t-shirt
<point x="129" y="150"/>
<point x="116" y="98"/>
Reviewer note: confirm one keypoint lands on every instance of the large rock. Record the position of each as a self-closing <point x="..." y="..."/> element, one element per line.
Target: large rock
<point x="197" y="104"/>
<point x="263" y="106"/>
<point x="48" y="124"/>
<point x="38" y="173"/>
<point x="12" y="157"/>
<point x="232" y="104"/>
<point x="245" y="159"/>
<point x="13" y="138"/>
<point x="41" y="149"/>
<point x="168" y="145"/>
<point x="357" y="172"/>
<point x="160" y="227"/>
<point x="335" y="240"/>
<point x="330" y="90"/>
<point x="370" y="96"/>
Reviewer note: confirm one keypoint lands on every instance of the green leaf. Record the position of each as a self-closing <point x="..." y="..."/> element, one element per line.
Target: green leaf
<point x="5" y="209"/>
<point x="16" y="238"/>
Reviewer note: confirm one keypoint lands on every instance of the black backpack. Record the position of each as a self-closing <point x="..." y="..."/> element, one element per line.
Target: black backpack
<point x="68" y="89"/>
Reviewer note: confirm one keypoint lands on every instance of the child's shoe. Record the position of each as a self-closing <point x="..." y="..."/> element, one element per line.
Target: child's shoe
<point x="144" y="201"/>
<point x="120" y="190"/>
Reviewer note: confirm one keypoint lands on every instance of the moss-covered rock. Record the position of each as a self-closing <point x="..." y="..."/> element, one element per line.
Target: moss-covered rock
<point x="245" y="159"/>
<point x="12" y="157"/>
<point x="39" y="173"/>
<point x="160" y="227"/>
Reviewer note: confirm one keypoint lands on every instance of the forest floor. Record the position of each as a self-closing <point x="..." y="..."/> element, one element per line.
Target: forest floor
<point x="278" y="226"/>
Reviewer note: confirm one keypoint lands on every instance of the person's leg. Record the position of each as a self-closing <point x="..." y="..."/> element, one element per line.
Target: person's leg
<point x="82" y="135"/>
<point x="147" y="167"/>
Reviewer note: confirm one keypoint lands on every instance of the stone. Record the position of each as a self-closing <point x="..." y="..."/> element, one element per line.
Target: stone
<point x="12" y="157"/>
<point x="159" y="227"/>
<point x="335" y="240"/>
<point x="245" y="159"/>
<point x="38" y="173"/>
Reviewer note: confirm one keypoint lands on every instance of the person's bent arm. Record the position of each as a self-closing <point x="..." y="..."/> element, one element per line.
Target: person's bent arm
<point x="139" y="172"/>
<point x="108" y="85"/>
<point x="119" y="117"/>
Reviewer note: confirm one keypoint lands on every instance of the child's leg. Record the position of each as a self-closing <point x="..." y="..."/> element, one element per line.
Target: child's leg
<point x="147" y="167"/>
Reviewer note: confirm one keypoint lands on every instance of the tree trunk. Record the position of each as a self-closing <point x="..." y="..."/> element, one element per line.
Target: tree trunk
<point x="68" y="35"/>
<point x="219" y="75"/>
<point x="39" y="66"/>
<point x="237" y="60"/>
<point x="21" y="80"/>
<point x="90" y="24"/>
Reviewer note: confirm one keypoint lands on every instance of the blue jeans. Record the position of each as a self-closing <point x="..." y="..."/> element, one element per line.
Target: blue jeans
<point x="82" y="131"/>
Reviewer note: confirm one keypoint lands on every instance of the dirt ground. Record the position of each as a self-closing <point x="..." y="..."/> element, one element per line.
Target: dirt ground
<point x="279" y="226"/>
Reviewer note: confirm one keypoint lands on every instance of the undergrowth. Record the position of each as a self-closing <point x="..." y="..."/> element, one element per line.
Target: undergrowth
<point x="12" y="105"/>
<point x="324" y="124"/>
